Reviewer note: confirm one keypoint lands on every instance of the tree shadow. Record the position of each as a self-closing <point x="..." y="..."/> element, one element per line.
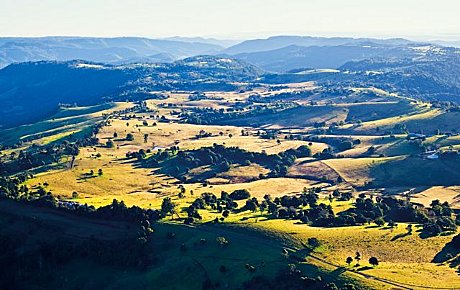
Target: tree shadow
<point x="339" y="271"/>
<point x="400" y="236"/>
<point x="372" y="227"/>
<point x="450" y="253"/>
<point x="364" y="268"/>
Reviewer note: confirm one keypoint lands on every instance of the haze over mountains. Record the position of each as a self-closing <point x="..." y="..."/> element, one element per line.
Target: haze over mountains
<point x="130" y="67"/>
<point x="107" y="50"/>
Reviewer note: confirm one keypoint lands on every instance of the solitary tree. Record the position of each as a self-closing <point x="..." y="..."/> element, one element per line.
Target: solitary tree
<point x="349" y="260"/>
<point x="99" y="172"/>
<point x="358" y="257"/>
<point x="146" y="137"/>
<point x="373" y="261"/>
<point x="129" y="137"/>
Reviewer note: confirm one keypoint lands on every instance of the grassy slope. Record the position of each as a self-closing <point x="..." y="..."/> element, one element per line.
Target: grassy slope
<point x="65" y="122"/>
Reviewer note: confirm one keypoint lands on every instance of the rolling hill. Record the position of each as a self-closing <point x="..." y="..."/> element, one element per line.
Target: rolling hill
<point x="32" y="91"/>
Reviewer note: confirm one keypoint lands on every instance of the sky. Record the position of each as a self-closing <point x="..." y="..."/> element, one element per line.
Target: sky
<point x="232" y="19"/>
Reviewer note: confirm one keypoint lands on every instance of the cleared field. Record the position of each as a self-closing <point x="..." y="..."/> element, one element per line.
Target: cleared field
<point x="308" y="168"/>
<point x="425" y="196"/>
<point x="356" y="171"/>
<point x="253" y="144"/>
<point x="301" y="117"/>
<point x="406" y="259"/>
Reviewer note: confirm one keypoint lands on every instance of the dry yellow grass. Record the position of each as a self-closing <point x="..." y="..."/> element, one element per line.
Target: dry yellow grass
<point x="404" y="260"/>
<point x="451" y="194"/>
<point x="355" y="170"/>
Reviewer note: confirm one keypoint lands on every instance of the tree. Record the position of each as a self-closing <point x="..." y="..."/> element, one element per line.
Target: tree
<point x="379" y="221"/>
<point x="115" y="135"/>
<point x="349" y="260"/>
<point x="74" y="195"/>
<point x="110" y="144"/>
<point x="99" y="172"/>
<point x="313" y="243"/>
<point x="129" y="137"/>
<point x="225" y="213"/>
<point x="373" y="261"/>
<point x="146" y="137"/>
<point x="168" y="207"/>
<point x="358" y="257"/>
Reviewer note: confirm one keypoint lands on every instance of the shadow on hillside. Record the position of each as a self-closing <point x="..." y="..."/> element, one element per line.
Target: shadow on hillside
<point x="415" y="172"/>
<point x="450" y="253"/>
<point x="400" y="236"/>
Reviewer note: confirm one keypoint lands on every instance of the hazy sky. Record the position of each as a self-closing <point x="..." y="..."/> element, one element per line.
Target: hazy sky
<point x="231" y="18"/>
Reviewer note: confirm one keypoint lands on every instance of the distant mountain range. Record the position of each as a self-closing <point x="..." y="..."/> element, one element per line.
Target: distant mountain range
<point x="277" y="54"/>
<point x="118" y="50"/>
<point x="277" y="42"/>
<point x="294" y="57"/>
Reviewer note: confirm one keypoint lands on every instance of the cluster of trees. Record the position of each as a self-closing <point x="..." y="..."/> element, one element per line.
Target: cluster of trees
<point x="207" y="116"/>
<point x="372" y="260"/>
<point x="139" y="155"/>
<point x="178" y="163"/>
<point x="437" y="219"/>
<point x="225" y="204"/>
<point x="36" y="155"/>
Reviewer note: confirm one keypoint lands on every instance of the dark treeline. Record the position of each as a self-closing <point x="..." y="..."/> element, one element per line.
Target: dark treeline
<point x="207" y="116"/>
<point x="178" y="163"/>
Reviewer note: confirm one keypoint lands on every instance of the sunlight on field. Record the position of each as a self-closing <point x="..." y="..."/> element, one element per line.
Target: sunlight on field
<point x="356" y="170"/>
<point x="403" y="258"/>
